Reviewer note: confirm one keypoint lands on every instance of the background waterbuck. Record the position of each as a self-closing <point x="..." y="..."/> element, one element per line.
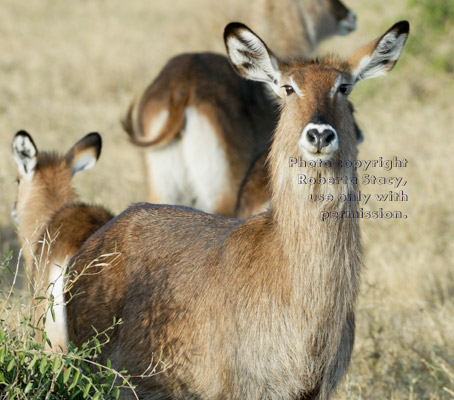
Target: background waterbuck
<point x="203" y="125"/>
<point x="52" y="222"/>
<point x="255" y="309"/>
<point x="296" y="27"/>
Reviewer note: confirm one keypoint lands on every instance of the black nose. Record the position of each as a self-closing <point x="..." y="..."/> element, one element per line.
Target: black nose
<point x="320" y="139"/>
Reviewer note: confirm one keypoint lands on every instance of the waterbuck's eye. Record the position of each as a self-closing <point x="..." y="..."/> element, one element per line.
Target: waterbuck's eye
<point x="345" y="88"/>
<point x="288" y="89"/>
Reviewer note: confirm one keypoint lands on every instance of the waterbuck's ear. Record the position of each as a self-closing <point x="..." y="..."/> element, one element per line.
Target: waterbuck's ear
<point x="25" y="154"/>
<point x="379" y="56"/>
<point x="250" y="56"/>
<point x="84" y="154"/>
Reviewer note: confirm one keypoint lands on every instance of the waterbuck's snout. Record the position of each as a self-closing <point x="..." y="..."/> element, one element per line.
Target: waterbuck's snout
<point x="319" y="141"/>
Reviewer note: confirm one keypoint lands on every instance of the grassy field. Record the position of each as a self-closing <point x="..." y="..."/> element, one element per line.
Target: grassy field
<point x="69" y="68"/>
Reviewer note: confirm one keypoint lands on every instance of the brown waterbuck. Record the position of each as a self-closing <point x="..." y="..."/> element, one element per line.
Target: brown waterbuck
<point x="296" y="27"/>
<point x="52" y="222"/>
<point x="202" y="125"/>
<point x="255" y="309"/>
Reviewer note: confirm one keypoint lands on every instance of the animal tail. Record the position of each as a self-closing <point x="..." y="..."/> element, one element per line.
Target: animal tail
<point x="170" y="128"/>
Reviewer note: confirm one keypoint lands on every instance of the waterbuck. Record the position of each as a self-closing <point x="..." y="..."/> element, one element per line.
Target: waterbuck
<point x="202" y="125"/>
<point x="255" y="309"/>
<point x="52" y="222"/>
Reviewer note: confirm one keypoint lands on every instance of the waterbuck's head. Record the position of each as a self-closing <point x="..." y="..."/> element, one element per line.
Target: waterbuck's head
<point x="44" y="178"/>
<point x="329" y="18"/>
<point x="316" y="119"/>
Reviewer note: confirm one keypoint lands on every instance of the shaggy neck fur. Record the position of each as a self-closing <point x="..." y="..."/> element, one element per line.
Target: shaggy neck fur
<point x="324" y="258"/>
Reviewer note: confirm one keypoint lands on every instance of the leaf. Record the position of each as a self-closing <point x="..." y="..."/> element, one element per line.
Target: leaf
<point x="96" y="396"/>
<point x="28" y="388"/>
<point x="33" y="362"/>
<point x="66" y="375"/>
<point x="52" y="311"/>
<point x="56" y="364"/>
<point x="86" y="390"/>
<point x="10" y="365"/>
<point x="43" y="365"/>
<point x="75" y="379"/>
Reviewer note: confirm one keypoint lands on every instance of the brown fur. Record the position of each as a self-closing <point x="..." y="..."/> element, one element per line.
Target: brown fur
<point x="53" y="224"/>
<point x="231" y="309"/>
<point x="242" y="114"/>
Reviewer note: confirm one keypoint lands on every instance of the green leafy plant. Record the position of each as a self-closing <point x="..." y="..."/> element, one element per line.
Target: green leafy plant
<point x="29" y="370"/>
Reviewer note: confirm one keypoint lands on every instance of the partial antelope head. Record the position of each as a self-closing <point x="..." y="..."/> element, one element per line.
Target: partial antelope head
<point x="316" y="115"/>
<point x="44" y="178"/>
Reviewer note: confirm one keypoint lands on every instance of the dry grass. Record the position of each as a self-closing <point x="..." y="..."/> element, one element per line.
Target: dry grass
<point x="68" y="68"/>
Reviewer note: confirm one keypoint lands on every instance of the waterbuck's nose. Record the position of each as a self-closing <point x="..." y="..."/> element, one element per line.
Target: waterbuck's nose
<point x="319" y="139"/>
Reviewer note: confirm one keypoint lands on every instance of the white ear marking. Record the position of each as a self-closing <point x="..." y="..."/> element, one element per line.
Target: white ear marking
<point x="83" y="161"/>
<point x="251" y="58"/>
<point x="25" y="155"/>
<point x="385" y="54"/>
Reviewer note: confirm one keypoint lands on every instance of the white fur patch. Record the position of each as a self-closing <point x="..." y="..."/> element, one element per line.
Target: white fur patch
<point x="296" y="88"/>
<point x="335" y="87"/>
<point x="388" y="49"/>
<point x="25" y="153"/>
<point x="56" y="330"/>
<point x="157" y="124"/>
<point x="262" y="66"/>
<point x="168" y="175"/>
<point x="205" y="160"/>
<point x="84" y="161"/>
<point x="191" y="171"/>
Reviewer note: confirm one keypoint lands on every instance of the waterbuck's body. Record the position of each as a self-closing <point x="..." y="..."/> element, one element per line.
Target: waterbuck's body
<point x="255" y="309"/>
<point x="203" y="125"/>
<point x="52" y="222"/>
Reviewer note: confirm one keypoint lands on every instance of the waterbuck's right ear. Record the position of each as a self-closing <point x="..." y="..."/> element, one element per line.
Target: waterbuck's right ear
<point x="250" y="56"/>
<point x="25" y="154"/>
<point x="379" y="56"/>
<point x="84" y="154"/>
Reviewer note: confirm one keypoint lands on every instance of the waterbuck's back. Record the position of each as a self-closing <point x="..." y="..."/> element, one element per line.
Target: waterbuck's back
<point x="202" y="125"/>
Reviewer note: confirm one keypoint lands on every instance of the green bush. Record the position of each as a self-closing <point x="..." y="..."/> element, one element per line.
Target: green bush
<point x="29" y="371"/>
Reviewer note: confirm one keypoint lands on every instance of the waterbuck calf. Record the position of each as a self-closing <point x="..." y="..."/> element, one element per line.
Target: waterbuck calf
<point x="255" y="309"/>
<point x="52" y="222"/>
<point x="202" y="125"/>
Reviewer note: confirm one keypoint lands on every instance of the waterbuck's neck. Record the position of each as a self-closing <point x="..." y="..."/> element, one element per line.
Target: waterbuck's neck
<point x="324" y="256"/>
<point x="40" y="199"/>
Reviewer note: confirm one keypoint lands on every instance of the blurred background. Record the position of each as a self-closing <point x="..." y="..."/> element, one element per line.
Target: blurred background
<point x="69" y="68"/>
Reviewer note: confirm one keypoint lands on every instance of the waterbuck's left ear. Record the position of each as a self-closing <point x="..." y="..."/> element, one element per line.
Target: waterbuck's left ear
<point x="379" y="56"/>
<point x="25" y="154"/>
<point x="250" y="56"/>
